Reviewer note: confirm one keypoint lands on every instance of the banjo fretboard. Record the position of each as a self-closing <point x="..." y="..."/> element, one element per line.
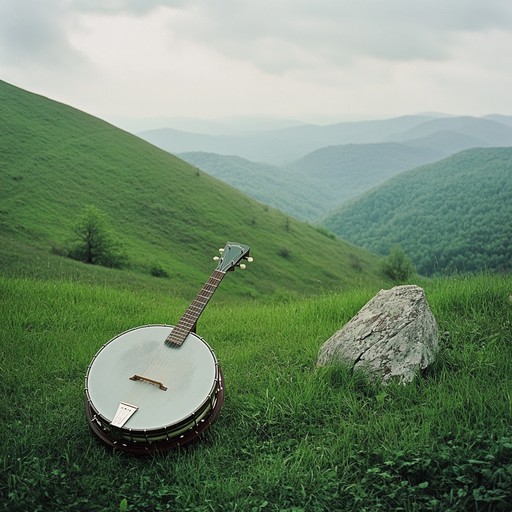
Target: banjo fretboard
<point x="187" y="323"/>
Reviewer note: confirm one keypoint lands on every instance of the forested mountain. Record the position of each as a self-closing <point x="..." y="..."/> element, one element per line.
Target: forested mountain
<point x="56" y="160"/>
<point x="315" y="184"/>
<point x="349" y="170"/>
<point x="455" y="214"/>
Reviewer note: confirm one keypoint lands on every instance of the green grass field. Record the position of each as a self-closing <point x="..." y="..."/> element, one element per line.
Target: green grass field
<point x="290" y="437"/>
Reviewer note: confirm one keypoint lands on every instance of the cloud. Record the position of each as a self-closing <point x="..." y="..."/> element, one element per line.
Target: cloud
<point x="286" y="34"/>
<point x="32" y="32"/>
<point x="124" y="6"/>
<point x="285" y="57"/>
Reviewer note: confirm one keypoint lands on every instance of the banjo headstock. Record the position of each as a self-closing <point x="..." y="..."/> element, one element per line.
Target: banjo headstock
<point x="231" y="256"/>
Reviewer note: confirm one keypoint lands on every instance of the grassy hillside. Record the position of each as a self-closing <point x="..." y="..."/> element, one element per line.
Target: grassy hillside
<point x="290" y="436"/>
<point x="454" y="214"/>
<point x="55" y="160"/>
<point x="302" y="197"/>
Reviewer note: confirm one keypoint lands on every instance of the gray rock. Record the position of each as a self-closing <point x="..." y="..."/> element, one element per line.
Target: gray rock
<point x="395" y="335"/>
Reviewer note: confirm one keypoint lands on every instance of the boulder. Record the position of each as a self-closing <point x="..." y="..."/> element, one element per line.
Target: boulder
<point x="395" y="335"/>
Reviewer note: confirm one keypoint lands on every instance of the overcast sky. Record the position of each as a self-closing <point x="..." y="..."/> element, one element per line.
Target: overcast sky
<point x="309" y="60"/>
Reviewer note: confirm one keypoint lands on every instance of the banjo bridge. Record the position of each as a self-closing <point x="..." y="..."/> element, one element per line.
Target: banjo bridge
<point x="151" y="381"/>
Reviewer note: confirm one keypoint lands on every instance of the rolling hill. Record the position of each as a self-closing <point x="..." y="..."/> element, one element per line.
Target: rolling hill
<point x="310" y="187"/>
<point x="349" y="170"/>
<point x="55" y="160"/>
<point x="452" y="215"/>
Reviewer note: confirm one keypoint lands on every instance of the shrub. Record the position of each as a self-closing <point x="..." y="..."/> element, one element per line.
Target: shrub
<point x="94" y="240"/>
<point x="284" y="252"/>
<point x="397" y="266"/>
<point x="157" y="270"/>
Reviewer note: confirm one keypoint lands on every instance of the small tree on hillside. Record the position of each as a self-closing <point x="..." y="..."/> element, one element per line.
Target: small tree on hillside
<point x="94" y="241"/>
<point x="397" y="265"/>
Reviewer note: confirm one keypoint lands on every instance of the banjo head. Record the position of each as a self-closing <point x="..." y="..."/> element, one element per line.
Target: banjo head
<point x="172" y="393"/>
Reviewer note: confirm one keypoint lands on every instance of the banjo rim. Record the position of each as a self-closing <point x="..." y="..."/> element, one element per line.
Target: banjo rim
<point x="152" y="447"/>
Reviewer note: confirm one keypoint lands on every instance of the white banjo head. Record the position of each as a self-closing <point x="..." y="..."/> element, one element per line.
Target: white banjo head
<point x="189" y="373"/>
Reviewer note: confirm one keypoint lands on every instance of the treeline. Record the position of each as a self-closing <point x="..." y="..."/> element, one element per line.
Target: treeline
<point x="454" y="215"/>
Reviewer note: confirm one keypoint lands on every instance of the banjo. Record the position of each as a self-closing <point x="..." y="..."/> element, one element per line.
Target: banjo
<point x="157" y="387"/>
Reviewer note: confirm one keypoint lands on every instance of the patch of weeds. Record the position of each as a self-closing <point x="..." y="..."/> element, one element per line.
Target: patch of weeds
<point x="157" y="270"/>
<point x="284" y="252"/>
<point x="451" y="477"/>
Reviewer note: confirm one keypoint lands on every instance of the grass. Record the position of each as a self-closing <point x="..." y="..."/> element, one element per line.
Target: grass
<point x="290" y="436"/>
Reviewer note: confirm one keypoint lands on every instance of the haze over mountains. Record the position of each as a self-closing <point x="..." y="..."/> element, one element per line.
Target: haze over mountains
<point x="309" y="170"/>
<point x="323" y="174"/>
<point x="310" y="187"/>
<point x="285" y="145"/>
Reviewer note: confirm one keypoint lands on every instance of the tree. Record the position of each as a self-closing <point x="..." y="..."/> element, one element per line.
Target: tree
<point x="94" y="241"/>
<point x="397" y="265"/>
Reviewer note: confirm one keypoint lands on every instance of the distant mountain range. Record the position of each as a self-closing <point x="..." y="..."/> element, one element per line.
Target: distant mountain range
<point x="308" y="170"/>
<point x="285" y="145"/>
<point x="322" y="180"/>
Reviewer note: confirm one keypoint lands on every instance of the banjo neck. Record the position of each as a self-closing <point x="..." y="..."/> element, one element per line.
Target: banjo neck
<point x="231" y="256"/>
<point x="188" y="321"/>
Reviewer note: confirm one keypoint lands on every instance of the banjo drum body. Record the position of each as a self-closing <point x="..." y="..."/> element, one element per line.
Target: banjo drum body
<point x="144" y="396"/>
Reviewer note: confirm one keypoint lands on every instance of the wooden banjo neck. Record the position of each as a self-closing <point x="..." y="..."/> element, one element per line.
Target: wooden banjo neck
<point x="231" y="256"/>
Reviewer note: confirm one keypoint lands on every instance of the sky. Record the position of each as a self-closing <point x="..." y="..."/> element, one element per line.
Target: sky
<point x="320" y="61"/>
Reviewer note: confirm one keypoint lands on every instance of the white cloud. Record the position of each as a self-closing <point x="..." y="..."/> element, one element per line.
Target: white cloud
<point x="280" y="57"/>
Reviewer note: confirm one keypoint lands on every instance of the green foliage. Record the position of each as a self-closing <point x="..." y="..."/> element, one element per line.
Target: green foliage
<point x="290" y="436"/>
<point x="397" y="266"/>
<point x="451" y="476"/>
<point x="451" y="216"/>
<point x="95" y="242"/>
